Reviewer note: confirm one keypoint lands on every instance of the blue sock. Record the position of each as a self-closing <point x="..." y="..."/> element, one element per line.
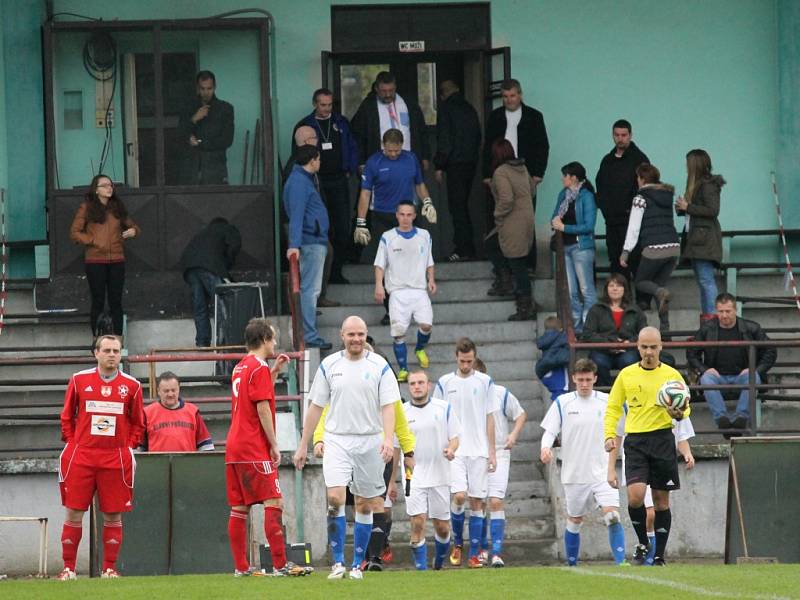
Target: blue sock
<point x="422" y="340"/>
<point x="498" y="531"/>
<point x="616" y="539"/>
<point x="336" y="532"/>
<point x="361" y="534"/>
<point x="420" y="556"/>
<point x="401" y="354"/>
<point x="572" y="546"/>
<point x="651" y="537"/>
<point x="485" y="534"/>
<point x="475" y="527"/>
<point x="457" y="523"/>
<point x="442" y="550"/>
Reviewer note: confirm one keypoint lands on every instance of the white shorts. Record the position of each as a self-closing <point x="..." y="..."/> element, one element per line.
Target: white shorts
<point x="582" y="498"/>
<point x="470" y="474"/>
<point x="354" y="460"/>
<point x="405" y="304"/>
<point x="498" y="480"/>
<point x="431" y="501"/>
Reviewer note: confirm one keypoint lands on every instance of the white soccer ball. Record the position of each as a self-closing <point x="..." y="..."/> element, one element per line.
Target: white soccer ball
<point x="673" y="394"/>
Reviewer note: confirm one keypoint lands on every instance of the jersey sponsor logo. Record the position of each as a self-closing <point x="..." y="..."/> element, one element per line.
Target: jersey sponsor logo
<point x="88" y="388"/>
<point x="122" y="390"/>
<point x="98" y="406"/>
<point x="336" y="375"/>
<point x="104" y="425"/>
<point x="105" y="390"/>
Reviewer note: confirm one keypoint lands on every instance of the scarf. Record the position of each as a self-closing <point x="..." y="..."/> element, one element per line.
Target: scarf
<point x="569" y="197"/>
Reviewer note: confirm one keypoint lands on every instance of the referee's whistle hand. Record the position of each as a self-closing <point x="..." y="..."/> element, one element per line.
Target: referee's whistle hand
<point x="611" y="443"/>
<point x="299" y="458"/>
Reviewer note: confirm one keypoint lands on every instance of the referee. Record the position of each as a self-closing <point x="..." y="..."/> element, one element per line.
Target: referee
<point x="651" y="458"/>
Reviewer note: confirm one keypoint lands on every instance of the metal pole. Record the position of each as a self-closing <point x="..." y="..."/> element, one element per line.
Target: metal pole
<point x="755" y="413"/>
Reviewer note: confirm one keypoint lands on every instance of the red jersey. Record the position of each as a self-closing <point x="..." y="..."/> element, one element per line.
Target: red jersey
<point x="179" y="429"/>
<point x="251" y="383"/>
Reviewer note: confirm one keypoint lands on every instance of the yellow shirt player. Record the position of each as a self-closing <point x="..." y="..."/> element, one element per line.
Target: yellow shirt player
<point x="650" y="455"/>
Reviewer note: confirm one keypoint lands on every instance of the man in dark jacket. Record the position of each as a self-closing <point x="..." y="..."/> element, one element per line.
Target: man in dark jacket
<point x="458" y="141"/>
<point x="728" y="364"/>
<point x="523" y="126"/>
<point x="206" y="262"/>
<point x="616" y="187"/>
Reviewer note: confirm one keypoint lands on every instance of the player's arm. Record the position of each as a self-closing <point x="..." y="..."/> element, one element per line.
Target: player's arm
<point x="431" y="279"/>
<point x="69" y="412"/>
<point x="391" y="488"/>
<point x="519" y="423"/>
<point x="612" y="464"/>
<point x="387" y="416"/>
<point x="380" y="292"/>
<point x="313" y="414"/>
<point x="686" y="452"/>
<point x="490" y="436"/>
<point x="363" y="203"/>
<point x="265" y="416"/>
<point x="616" y="399"/>
<point x="552" y="427"/>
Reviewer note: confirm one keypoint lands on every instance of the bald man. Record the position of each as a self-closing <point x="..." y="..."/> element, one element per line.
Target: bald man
<point x="361" y="390"/>
<point x="650" y="454"/>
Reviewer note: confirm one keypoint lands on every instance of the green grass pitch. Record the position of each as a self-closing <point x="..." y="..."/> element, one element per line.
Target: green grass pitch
<point x="674" y="581"/>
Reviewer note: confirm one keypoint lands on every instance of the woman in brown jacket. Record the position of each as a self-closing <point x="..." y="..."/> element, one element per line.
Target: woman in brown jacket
<point x="101" y="224"/>
<point x="511" y="239"/>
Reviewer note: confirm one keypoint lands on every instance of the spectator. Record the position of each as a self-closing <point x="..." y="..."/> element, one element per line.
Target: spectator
<point x="207" y="261"/>
<point x="575" y="215"/>
<point x="728" y="364"/>
<point x="102" y="225"/>
<point x="458" y="141"/>
<point x="616" y="187"/>
<point x="172" y="424"/>
<point x="551" y="368"/>
<point x="701" y="242"/>
<point x="308" y="237"/>
<point x="509" y="243"/>
<point x="615" y="318"/>
<point x="523" y="126"/>
<point x="652" y="229"/>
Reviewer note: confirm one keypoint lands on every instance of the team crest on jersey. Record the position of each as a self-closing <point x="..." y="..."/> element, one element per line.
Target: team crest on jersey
<point x="105" y="390"/>
<point x="122" y="390"/>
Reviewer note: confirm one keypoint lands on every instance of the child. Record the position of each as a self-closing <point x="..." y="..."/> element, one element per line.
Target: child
<point x="551" y="368"/>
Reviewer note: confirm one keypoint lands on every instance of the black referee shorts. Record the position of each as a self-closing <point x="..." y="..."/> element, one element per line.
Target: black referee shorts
<point x="651" y="458"/>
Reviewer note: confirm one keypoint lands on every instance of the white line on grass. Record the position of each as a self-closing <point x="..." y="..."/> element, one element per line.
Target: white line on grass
<point x="670" y="584"/>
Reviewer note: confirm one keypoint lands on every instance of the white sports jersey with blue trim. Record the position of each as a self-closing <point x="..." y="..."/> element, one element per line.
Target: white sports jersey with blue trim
<point x="405" y="258"/>
<point x="471" y="398"/>
<point x="509" y="409"/>
<point x="434" y="425"/>
<point x="356" y="391"/>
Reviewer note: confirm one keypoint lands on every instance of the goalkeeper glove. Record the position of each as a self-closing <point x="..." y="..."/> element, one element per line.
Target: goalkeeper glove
<point x="428" y="211"/>
<point x="361" y="235"/>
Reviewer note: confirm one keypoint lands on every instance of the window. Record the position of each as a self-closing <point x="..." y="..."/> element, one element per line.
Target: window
<point x="426" y="91"/>
<point x="356" y="82"/>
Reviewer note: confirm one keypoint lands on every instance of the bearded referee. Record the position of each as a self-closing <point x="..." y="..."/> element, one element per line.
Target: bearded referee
<point x="651" y="458"/>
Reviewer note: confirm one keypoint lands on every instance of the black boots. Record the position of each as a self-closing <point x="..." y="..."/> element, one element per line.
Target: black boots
<point x="503" y="284"/>
<point x="526" y="309"/>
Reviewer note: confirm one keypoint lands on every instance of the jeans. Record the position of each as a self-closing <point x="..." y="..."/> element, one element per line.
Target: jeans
<point x="606" y="361"/>
<point x="459" y="184"/>
<point x="202" y="283"/>
<point x="517" y="266"/>
<point x="580" y="277"/>
<point x="714" y="399"/>
<point x="106" y="279"/>
<point x="312" y="262"/>
<point x="704" y="273"/>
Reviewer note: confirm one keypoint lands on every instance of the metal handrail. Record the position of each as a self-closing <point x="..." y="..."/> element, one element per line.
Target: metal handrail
<point x="563" y="308"/>
<point x="295" y="308"/>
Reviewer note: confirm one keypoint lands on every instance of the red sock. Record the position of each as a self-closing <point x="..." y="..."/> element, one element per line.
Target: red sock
<point x="71" y="535"/>
<point x="112" y="542"/>
<point x="237" y="534"/>
<point x="273" y="528"/>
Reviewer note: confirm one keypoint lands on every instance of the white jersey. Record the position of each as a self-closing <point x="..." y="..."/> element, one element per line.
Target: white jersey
<point x="356" y="391"/>
<point x="509" y="409"/>
<point x="471" y="398"/>
<point x="580" y="422"/>
<point x="405" y="258"/>
<point x="434" y="424"/>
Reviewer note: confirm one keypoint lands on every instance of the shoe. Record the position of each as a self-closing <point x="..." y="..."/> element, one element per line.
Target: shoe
<point x="374" y="565"/>
<point x="497" y="562"/>
<point x="659" y="562"/>
<point x="402" y="376"/>
<point x="251" y="572"/>
<point x="385" y="320"/>
<point x="456" y="257"/>
<point x="321" y="344"/>
<point x="526" y="310"/>
<point x="475" y="563"/>
<point x="337" y="571"/>
<point x="724" y="422"/>
<point x="67" y="575"/>
<point x="356" y="574"/>
<point x="483" y="556"/>
<point x="455" y="556"/>
<point x="109" y="574"/>
<point x="423" y="359"/>
<point x="289" y="570"/>
<point x="325" y="303"/>
<point x="339" y="279"/>
<point x="505" y="284"/>
<point x="640" y="553"/>
<point x="740" y="422"/>
<point x="662" y="301"/>
<point x="624" y="563"/>
<point x="386" y="556"/>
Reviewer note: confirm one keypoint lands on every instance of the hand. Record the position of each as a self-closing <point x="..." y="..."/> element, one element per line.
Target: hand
<point x="193" y="141"/>
<point x="492" y="462"/>
<point x="448" y="453"/>
<point x="275" y="455"/>
<point x="689" y="460"/>
<point x="429" y="211"/>
<point x="280" y="361"/>
<point x="130" y="232"/>
<point x="535" y="181"/>
<point x="439" y="176"/>
<point x="681" y="203"/>
<point x="293" y="252"/>
<point x="611" y="443"/>
<point x="546" y="455"/>
<point x="426" y="164"/>
<point x="391" y="490"/>
<point x="361" y="235"/>
<point x="510" y="441"/>
<point x="557" y="224"/>
<point x="623" y="259"/>
<point x="300" y="457"/>
<point x="380" y="293"/>
<point x="200" y="114"/>
<point x="612" y="478"/>
<point x="432" y="286"/>
<point x="386" y="450"/>
<point x="676" y="413"/>
<point x="409" y="462"/>
<point x="319" y="449"/>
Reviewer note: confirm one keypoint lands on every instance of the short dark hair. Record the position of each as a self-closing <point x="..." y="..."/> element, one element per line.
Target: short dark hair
<point x="100" y="339"/>
<point x="406" y="203"/>
<point x="724" y="298"/>
<point x="385" y="77"/>
<point x="479" y="365"/>
<point x="622" y="124"/>
<point x="511" y="84"/>
<point x="167" y="376"/>
<point x="204" y="75"/>
<point x="257" y="332"/>
<point x="465" y="345"/>
<point x="393" y="136"/>
<point x="648" y="173"/>
<point x="584" y="365"/>
<point x="305" y="154"/>
<point x="320" y="92"/>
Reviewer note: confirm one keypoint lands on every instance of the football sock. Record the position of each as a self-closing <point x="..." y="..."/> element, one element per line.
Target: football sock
<point x="337" y="526"/>
<point x="376" y="540"/>
<point x="71" y="534"/>
<point x="422" y="339"/>
<point x="457" y="521"/>
<point x="237" y="535"/>
<point x="572" y="542"/>
<point x="639" y="521"/>
<point x="401" y="354"/>
<point x="662" y="525"/>
<point x="616" y="539"/>
<point x="485" y="534"/>
<point x="112" y="542"/>
<point x="651" y="537"/>
<point x="273" y="529"/>
<point x="442" y="549"/>
<point x="420" y="551"/>
<point x="498" y="526"/>
<point x="476" y="521"/>
<point x="361" y="535"/>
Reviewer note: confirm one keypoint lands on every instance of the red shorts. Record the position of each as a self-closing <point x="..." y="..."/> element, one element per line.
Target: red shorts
<point x="251" y="483"/>
<point x="79" y="479"/>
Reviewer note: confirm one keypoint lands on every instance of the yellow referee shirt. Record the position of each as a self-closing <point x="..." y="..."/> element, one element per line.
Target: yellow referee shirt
<point x="639" y="388"/>
<point x="404" y="434"/>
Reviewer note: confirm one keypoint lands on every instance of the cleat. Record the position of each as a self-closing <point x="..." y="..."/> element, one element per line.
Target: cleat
<point x="356" y="574"/>
<point x="289" y="570"/>
<point x="337" y="571"/>
<point x="497" y="562"/>
<point x="483" y="556"/>
<point x="251" y="572"/>
<point x="455" y="556"/>
<point x="659" y="562"/>
<point x="475" y="563"/>
<point x="109" y="574"/>
<point x="374" y="565"/>
<point x="423" y="359"/>
<point x="386" y="556"/>
<point x="437" y="566"/>
<point x="67" y="575"/>
<point x="624" y="563"/>
<point x="640" y="553"/>
<point x="402" y="376"/>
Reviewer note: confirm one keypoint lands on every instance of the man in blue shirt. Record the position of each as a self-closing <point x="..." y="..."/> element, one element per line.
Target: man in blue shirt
<point x="308" y="236"/>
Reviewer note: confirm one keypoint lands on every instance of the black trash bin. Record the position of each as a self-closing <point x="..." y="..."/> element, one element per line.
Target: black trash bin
<point x="234" y="305"/>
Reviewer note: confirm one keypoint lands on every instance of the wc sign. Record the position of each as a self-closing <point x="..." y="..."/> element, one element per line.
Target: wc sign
<point x="412" y="46"/>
